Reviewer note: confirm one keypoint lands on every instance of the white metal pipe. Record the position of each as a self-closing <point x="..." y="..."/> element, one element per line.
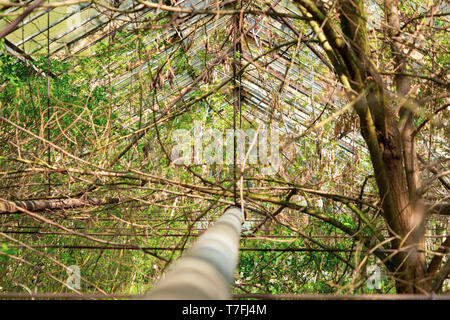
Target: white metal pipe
<point x="206" y="271"/>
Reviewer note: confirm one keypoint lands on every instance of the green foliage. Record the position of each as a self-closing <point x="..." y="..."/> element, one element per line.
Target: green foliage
<point x="7" y="252"/>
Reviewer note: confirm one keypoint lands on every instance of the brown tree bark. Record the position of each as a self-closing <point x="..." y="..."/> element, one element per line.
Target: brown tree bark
<point x="386" y="126"/>
<point x="53" y="204"/>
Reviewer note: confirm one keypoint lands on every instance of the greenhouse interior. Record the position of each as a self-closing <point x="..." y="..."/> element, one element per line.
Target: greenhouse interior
<point x="238" y="149"/>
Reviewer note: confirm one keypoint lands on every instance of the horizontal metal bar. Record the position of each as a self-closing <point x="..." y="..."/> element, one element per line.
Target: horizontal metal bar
<point x="250" y="237"/>
<point x="264" y="296"/>
<point x="258" y="296"/>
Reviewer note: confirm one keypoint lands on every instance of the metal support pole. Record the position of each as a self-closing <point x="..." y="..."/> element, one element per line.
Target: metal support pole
<point x="206" y="270"/>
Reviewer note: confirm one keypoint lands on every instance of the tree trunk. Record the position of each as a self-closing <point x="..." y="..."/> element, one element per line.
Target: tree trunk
<point x="407" y="225"/>
<point x="390" y="141"/>
<point x="52" y="204"/>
